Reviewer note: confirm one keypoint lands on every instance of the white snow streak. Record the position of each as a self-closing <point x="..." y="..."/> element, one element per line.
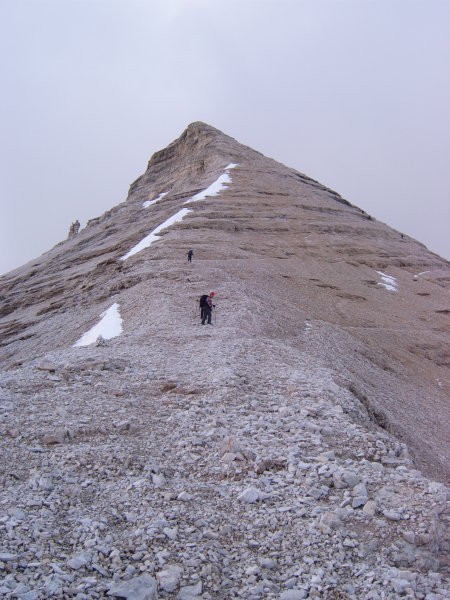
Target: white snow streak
<point x="148" y="203"/>
<point x="110" y="326"/>
<point x="213" y="189"/>
<point x="220" y="184"/>
<point x="153" y="236"/>
<point x="389" y="282"/>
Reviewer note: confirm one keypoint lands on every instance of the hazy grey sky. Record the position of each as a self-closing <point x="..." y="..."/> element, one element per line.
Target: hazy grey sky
<point x="355" y="93"/>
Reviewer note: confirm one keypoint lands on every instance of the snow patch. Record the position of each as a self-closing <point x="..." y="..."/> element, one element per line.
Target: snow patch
<point x="217" y="186"/>
<point x="388" y="281"/>
<point x="153" y="236"/>
<point x="148" y="203"/>
<point x="221" y="183"/>
<point x="110" y="326"/>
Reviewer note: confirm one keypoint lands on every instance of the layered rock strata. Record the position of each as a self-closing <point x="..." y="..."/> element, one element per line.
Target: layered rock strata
<point x="296" y="448"/>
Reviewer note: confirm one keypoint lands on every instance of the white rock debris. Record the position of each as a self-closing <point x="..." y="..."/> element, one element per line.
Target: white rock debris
<point x="136" y="501"/>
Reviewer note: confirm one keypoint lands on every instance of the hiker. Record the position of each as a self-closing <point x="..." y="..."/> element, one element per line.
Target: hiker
<point x="190" y="254"/>
<point x="206" y="306"/>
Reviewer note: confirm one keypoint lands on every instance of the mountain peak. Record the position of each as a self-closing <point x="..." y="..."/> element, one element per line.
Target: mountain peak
<point x="195" y="156"/>
<point x="299" y="417"/>
<point x="193" y="141"/>
<point x="201" y="128"/>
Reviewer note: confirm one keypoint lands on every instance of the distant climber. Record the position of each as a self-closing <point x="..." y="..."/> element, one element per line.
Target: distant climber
<point x="190" y="254"/>
<point x="74" y="229"/>
<point x="206" y="306"/>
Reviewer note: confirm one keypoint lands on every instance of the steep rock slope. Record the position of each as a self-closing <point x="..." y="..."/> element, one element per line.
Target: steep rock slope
<point x="267" y="454"/>
<point x="298" y="250"/>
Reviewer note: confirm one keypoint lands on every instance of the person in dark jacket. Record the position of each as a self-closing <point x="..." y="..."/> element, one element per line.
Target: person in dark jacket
<point x="206" y="306"/>
<point x="190" y="254"/>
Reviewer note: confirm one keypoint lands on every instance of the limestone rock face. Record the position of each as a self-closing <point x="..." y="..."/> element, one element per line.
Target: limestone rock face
<point x="74" y="229"/>
<point x="322" y="383"/>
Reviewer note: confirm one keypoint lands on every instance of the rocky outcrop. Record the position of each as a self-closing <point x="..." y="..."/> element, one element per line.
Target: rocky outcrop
<point x="74" y="229"/>
<point x="296" y="448"/>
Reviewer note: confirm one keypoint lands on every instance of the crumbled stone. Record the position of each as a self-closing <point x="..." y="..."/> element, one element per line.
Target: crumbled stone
<point x="184" y="497"/>
<point x="293" y="595"/>
<point x="392" y="515"/>
<point x="169" y="578"/>
<point x="143" y="587"/>
<point x="79" y="561"/>
<point x="190" y="592"/>
<point x="249" y="495"/>
<point x="268" y="563"/>
<point x="188" y="458"/>
<point x="370" y="508"/>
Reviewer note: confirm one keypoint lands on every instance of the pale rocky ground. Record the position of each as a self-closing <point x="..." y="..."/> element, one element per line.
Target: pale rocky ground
<point x="296" y="448"/>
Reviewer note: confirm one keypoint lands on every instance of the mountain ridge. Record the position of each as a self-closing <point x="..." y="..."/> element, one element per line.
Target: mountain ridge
<point x="328" y="355"/>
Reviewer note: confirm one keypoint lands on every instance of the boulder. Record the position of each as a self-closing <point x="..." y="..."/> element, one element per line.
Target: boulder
<point x="139" y="588"/>
<point x="169" y="578"/>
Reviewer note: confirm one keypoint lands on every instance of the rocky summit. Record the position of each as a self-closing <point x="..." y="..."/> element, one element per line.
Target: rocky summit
<point x="296" y="447"/>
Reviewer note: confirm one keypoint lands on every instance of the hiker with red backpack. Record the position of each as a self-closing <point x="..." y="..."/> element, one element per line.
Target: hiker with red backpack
<point x="206" y="306"/>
